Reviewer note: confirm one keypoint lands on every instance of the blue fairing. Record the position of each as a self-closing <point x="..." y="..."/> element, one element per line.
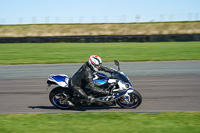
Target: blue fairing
<point x="102" y="75"/>
<point x="101" y="82"/>
<point x="59" y="78"/>
<point x="100" y="78"/>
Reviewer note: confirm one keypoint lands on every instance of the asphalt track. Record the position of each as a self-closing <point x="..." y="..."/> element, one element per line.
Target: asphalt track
<point x="169" y="86"/>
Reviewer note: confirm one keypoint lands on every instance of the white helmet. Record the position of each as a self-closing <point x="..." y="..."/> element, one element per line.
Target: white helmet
<point x="95" y="62"/>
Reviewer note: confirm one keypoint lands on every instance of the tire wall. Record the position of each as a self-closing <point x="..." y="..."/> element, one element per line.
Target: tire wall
<point x="103" y="38"/>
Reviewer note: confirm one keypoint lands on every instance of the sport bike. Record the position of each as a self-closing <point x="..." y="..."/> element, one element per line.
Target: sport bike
<point x="122" y="92"/>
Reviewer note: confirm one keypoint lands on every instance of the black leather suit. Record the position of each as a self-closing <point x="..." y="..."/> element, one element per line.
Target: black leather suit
<point x="83" y="78"/>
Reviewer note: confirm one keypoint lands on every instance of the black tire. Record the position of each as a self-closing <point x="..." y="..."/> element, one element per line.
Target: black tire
<point x="135" y="98"/>
<point x="56" y="95"/>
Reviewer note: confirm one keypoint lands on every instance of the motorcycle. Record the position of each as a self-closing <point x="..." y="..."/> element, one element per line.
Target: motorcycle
<point x="122" y="92"/>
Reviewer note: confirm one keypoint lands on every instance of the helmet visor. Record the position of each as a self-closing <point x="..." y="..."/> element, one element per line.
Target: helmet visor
<point x="97" y="66"/>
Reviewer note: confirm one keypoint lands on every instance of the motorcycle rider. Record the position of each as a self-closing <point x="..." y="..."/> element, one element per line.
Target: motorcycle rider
<point x="83" y="78"/>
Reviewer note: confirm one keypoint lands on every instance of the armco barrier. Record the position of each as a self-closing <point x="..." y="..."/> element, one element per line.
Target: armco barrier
<point x="103" y="38"/>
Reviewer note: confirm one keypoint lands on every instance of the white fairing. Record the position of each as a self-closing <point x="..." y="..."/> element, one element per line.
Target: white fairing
<point x="62" y="84"/>
<point x="124" y="86"/>
<point x="112" y="81"/>
<point x="60" y="79"/>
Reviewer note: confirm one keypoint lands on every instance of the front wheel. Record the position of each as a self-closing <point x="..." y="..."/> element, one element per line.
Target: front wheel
<point x="133" y="100"/>
<point x="59" y="98"/>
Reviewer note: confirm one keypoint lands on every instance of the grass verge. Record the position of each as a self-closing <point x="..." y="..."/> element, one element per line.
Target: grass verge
<point x="51" y="53"/>
<point x="100" y="123"/>
<point x="152" y="28"/>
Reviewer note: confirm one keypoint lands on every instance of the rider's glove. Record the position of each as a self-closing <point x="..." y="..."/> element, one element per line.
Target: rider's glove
<point x="105" y="69"/>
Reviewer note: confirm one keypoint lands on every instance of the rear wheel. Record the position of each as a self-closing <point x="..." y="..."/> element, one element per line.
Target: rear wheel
<point x="59" y="98"/>
<point x="132" y="101"/>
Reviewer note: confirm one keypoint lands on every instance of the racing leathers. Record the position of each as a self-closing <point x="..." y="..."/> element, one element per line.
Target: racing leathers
<point x="83" y="78"/>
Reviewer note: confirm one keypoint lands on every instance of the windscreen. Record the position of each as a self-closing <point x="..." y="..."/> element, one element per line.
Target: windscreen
<point x="120" y="76"/>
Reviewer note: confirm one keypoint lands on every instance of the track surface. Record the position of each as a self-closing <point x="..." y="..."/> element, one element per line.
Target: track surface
<point x="165" y="86"/>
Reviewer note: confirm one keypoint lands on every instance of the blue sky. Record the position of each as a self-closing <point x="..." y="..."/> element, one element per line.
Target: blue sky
<point x="83" y="11"/>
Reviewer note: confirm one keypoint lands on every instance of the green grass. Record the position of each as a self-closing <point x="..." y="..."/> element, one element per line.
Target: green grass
<point x="100" y="123"/>
<point x="50" y="53"/>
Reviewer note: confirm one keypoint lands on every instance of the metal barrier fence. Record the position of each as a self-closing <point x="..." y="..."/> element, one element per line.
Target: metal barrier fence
<point x="102" y="19"/>
<point x="104" y="38"/>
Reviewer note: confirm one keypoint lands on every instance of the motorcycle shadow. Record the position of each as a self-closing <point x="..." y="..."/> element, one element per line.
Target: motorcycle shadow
<point x="81" y="108"/>
<point x="42" y="107"/>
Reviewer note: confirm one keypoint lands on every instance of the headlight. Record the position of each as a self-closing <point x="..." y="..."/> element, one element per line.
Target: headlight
<point x="127" y="85"/>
